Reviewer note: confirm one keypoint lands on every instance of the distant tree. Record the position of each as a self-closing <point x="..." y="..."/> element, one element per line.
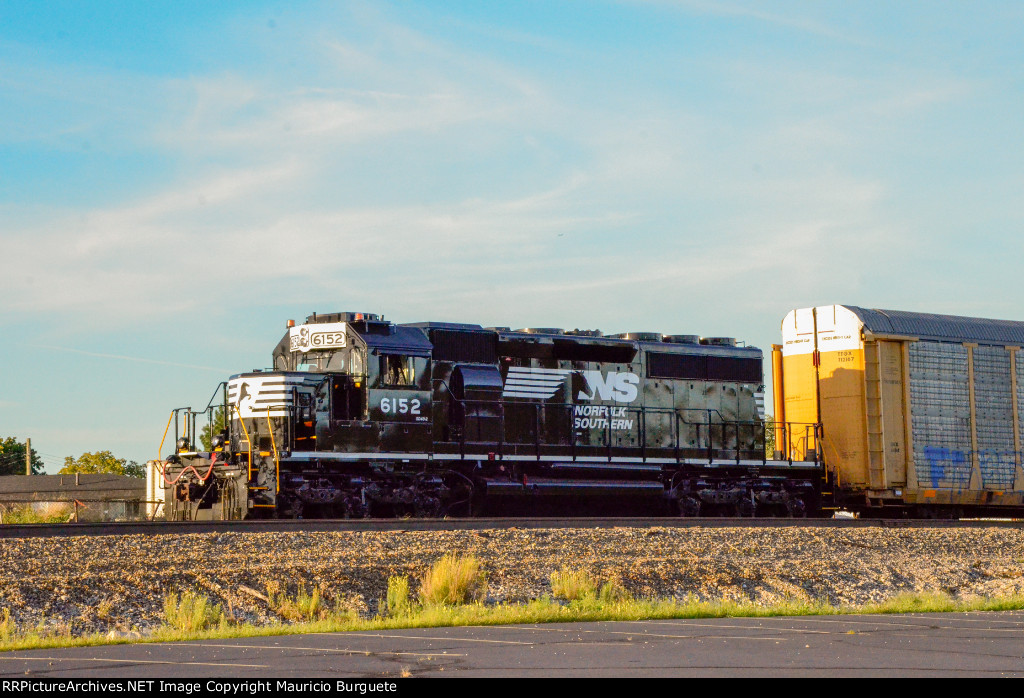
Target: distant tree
<point x="102" y="462"/>
<point x="12" y="458"/>
<point x="769" y="437"/>
<point x="216" y="426"/>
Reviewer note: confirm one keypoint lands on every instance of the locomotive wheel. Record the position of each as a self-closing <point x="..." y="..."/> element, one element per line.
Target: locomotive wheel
<point x="689" y="506"/>
<point x="288" y="507"/>
<point x="745" y="507"/>
<point x="797" y="508"/>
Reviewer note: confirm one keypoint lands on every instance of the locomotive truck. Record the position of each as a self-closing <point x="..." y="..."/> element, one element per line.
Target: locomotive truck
<point x="362" y="417"/>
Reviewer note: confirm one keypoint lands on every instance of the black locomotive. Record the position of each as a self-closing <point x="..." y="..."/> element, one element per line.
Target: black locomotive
<point x="361" y="417"/>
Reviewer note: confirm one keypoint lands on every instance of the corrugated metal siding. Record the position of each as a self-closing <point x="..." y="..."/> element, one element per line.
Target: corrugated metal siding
<point x="940" y="410"/>
<point x="942" y="328"/>
<point x="993" y="410"/>
<point x="1020" y="390"/>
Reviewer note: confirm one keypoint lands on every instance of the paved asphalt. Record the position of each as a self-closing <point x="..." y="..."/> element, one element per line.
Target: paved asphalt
<point x="962" y="644"/>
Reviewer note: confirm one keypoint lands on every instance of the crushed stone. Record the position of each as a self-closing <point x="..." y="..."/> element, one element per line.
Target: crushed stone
<point x="117" y="584"/>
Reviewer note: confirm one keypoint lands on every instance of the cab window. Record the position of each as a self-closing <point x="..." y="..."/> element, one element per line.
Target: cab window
<point x="397" y="370"/>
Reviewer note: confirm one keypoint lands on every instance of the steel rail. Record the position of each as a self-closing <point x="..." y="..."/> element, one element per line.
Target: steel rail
<point x="343" y="525"/>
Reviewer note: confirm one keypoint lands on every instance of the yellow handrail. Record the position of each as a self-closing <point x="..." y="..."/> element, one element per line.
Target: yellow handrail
<point x="246" y="432"/>
<point x="273" y="446"/>
<point x="162" y="439"/>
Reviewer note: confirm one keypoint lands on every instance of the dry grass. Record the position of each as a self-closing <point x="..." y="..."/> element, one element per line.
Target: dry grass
<point x="27" y="515"/>
<point x="454" y="580"/>
<point x="7" y="627"/>
<point x="572" y="585"/>
<point x="105" y="609"/>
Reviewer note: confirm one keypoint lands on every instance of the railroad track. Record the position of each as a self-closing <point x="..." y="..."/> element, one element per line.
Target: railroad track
<point x="295" y="525"/>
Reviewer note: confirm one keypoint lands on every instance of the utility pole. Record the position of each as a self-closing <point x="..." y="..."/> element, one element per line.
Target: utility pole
<point x="28" y="456"/>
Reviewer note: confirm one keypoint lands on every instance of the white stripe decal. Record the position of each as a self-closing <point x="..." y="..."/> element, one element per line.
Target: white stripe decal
<point x="254" y="394"/>
<point x="541" y="383"/>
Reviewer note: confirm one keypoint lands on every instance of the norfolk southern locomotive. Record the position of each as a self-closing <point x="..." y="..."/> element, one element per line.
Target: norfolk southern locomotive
<point x="361" y="417"/>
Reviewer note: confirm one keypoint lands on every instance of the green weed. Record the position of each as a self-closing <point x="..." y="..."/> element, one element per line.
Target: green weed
<point x="398" y="603"/>
<point x="303" y="607"/>
<point x="192" y="613"/>
<point x="613" y="592"/>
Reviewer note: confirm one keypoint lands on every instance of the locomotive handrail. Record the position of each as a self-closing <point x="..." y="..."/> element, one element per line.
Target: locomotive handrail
<point x="248" y="442"/>
<point x="811" y="432"/>
<point x="189" y="432"/>
<point x="223" y="388"/>
<point x="710" y="422"/>
<point x="723" y="424"/>
<point x="160" y="448"/>
<point x="273" y="448"/>
<point x="642" y="416"/>
<point x="177" y="429"/>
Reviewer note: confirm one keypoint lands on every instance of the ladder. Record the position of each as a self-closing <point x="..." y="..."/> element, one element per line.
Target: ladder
<point x="873" y="413"/>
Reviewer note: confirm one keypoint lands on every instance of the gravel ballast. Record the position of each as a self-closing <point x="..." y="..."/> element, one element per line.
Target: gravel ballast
<point x="119" y="582"/>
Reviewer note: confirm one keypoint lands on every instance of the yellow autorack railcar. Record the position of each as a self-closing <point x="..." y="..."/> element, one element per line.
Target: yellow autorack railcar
<point x="919" y="413"/>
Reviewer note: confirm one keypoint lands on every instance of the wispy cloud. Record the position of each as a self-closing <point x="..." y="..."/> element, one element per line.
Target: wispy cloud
<point x="755" y="11"/>
<point x="397" y="151"/>
<point x="137" y="359"/>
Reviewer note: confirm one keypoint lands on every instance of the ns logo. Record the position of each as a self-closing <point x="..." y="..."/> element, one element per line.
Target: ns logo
<point x="620" y="387"/>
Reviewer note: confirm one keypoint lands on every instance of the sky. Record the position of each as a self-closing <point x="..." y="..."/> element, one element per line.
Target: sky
<point x="178" y="179"/>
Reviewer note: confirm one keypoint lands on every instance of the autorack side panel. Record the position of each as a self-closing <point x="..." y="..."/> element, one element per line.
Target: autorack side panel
<point x="1017" y="375"/>
<point x="993" y="412"/>
<point x="941" y="415"/>
<point x="800" y="383"/>
<point x="844" y="397"/>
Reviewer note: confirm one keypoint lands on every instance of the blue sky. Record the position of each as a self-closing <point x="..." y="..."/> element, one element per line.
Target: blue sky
<point x="177" y="179"/>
